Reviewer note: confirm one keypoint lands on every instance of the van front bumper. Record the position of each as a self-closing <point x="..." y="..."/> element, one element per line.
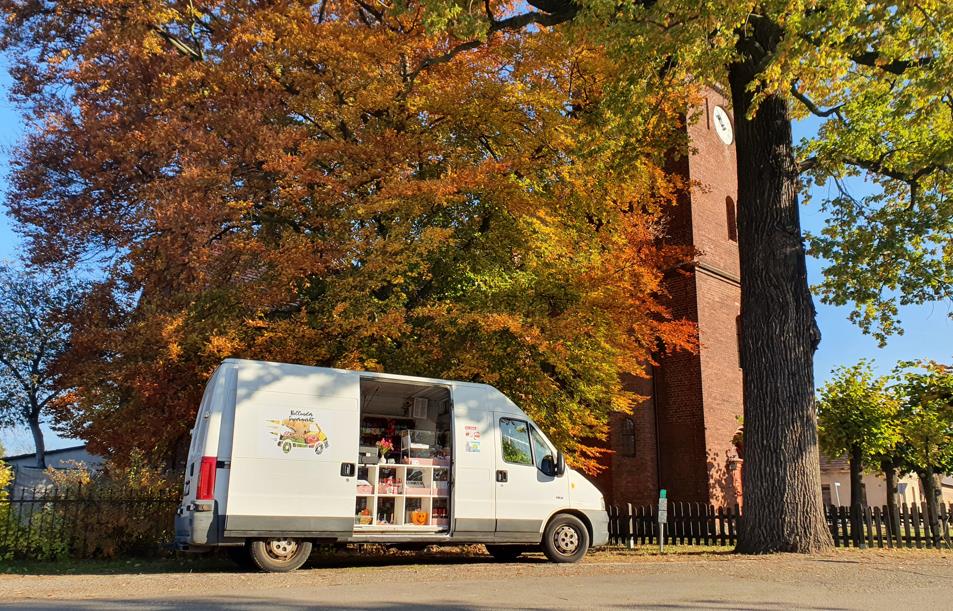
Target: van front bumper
<point x="599" y="519"/>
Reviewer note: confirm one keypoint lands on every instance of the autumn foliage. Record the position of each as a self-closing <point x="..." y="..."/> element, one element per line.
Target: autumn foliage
<point x="313" y="183"/>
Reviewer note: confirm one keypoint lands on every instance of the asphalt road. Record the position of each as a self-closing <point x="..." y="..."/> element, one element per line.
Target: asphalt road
<point x="844" y="580"/>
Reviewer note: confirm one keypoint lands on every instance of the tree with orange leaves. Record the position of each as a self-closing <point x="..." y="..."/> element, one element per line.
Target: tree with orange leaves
<point x="306" y="183"/>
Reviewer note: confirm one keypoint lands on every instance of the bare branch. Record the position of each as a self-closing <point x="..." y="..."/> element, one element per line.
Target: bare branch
<point x="873" y="59"/>
<point x="516" y="22"/>
<point x="814" y="108"/>
<point x="178" y="44"/>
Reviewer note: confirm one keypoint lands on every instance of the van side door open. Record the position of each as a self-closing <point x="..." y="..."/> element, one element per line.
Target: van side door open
<point x="525" y="495"/>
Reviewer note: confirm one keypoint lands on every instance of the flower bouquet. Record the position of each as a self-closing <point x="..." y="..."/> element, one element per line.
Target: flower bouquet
<point x="384" y="446"/>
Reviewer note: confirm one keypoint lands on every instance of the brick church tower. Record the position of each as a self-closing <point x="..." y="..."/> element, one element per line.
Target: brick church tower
<point x="680" y="438"/>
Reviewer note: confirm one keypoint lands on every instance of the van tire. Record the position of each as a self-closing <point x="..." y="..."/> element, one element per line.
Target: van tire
<point x="279" y="555"/>
<point x="505" y="553"/>
<point x="566" y="539"/>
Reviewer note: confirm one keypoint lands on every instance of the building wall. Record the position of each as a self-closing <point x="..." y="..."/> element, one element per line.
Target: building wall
<point x="27" y="476"/>
<point x="680" y="408"/>
<point x="713" y="171"/>
<point x="911" y="491"/>
<point x="633" y="477"/>
<point x="697" y="398"/>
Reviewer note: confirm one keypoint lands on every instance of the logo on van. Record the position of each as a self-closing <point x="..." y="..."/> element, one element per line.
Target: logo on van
<point x="298" y="430"/>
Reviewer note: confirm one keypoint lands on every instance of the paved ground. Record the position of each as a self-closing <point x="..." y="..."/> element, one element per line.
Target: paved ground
<point x="843" y="580"/>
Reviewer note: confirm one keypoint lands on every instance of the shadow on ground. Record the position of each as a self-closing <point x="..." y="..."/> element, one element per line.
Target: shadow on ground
<point x="370" y="556"/>
<point x="216" y="563"/>
<point x="255" y="603"/>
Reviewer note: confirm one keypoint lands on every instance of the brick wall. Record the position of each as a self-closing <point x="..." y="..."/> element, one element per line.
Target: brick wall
<point x="697" y="397"/>
<point x="633" y="478"/>
<point x="713" y="167"/>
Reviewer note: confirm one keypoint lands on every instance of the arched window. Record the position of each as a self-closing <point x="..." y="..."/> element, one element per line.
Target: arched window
<point x="627" y="446"/>
<point x="732" y="219"/>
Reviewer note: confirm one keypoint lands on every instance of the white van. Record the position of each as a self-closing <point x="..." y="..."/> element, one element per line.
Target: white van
<point x="284" y="456"/>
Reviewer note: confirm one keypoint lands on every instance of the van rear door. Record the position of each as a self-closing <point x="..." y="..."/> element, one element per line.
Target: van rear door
<point x="293" y="467"/>
<point x="200" y="433"/>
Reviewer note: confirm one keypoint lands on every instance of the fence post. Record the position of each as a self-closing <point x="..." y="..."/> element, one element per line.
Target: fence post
<point x="630" y="522"/>
<point x="868" y="525"/>
<point x="857" y="525"/>
<point x="880" y="535"/>
<point x="721" y="526"/>
<point x="842" y="514"/>
<point x="915" y="518"/>
<point x="731" y="527"/>
<point x="945" y="524"/>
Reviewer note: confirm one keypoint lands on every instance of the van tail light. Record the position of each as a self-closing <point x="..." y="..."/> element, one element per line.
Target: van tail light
<point x="206" y="487"/>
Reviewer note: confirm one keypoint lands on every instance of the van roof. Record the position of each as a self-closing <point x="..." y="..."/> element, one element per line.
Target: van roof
<point x="363" y="374"/>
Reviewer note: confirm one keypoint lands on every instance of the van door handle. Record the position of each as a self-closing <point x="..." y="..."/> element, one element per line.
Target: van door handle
<point x="348" y="469"/>
<point x="501" y="476"/>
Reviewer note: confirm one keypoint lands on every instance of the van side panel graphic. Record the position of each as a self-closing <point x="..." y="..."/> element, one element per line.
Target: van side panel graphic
<point x="297" y="431"/>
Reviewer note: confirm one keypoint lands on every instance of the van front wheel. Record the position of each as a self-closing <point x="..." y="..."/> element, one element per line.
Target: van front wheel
<point x="279" y="555"/>
<point x="566" y="539"/>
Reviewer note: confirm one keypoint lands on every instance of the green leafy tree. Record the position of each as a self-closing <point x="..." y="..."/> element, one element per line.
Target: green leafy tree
<point x="34" y="332"/>
<point x="857" y="417"/>
<point x="876" y="75"/>
<point x="927" y="427"/>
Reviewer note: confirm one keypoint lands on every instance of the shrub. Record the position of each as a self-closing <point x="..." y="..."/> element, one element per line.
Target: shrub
<point x="117" y="511"/>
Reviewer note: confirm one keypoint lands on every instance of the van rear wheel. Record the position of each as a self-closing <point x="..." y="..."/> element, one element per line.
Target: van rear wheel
<point x="566" y="539"/>
<point x="279" y="555"/>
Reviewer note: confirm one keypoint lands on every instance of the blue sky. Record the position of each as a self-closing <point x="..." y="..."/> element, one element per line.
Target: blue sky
<point x="928" y="329"/>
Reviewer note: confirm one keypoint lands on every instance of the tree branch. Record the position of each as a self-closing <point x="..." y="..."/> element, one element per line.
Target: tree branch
<point x="178" y="44"/>
<point x="814" y="108"/>
<point x="516" y="22"/>
<point x="897" y="66"/>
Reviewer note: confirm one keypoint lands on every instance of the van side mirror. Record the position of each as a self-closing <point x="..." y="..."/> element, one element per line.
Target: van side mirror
<point x="560" y="464"/>
<point x="548" y="466"/>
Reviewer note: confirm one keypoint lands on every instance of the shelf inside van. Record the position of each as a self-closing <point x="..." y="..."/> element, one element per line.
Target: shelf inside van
<point x="397" y="527"/>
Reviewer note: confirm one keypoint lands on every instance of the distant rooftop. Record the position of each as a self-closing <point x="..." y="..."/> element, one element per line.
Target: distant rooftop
<point x="48" y="452"/>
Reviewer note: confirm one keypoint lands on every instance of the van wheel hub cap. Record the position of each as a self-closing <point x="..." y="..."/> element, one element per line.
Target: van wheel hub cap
<point x="282" y="549"/>
<point x="566" y="539"/>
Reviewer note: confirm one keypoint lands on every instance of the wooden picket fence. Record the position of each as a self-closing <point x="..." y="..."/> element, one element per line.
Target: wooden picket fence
<point x="699" y="524"/>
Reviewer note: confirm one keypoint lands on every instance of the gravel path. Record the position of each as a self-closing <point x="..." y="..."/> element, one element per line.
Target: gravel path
<point x="843" y="580"/>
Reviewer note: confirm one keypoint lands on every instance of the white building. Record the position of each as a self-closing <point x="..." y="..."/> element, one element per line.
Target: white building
<point x="835" y="485"/>
<point x="27" y="476"/>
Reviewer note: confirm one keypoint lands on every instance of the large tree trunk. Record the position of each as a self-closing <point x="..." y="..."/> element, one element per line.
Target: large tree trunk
<point x="38" y="443"/>
<point x="783" y="510"/>
<point x="857" y="495"/>
<point x="928" y="480"/>
<point x="893" y="516"/>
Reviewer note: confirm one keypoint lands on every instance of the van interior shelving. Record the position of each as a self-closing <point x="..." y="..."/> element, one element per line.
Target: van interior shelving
<point x="405" y="488"/>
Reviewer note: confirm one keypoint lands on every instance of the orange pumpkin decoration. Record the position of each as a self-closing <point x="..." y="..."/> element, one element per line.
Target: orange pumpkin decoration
<point x="419" y="517"/>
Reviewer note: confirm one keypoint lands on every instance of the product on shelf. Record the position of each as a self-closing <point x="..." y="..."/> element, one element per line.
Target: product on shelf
<point x="420" y="448"/>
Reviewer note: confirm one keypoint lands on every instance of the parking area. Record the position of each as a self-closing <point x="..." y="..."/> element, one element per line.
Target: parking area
<point x="607" y="579"/>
